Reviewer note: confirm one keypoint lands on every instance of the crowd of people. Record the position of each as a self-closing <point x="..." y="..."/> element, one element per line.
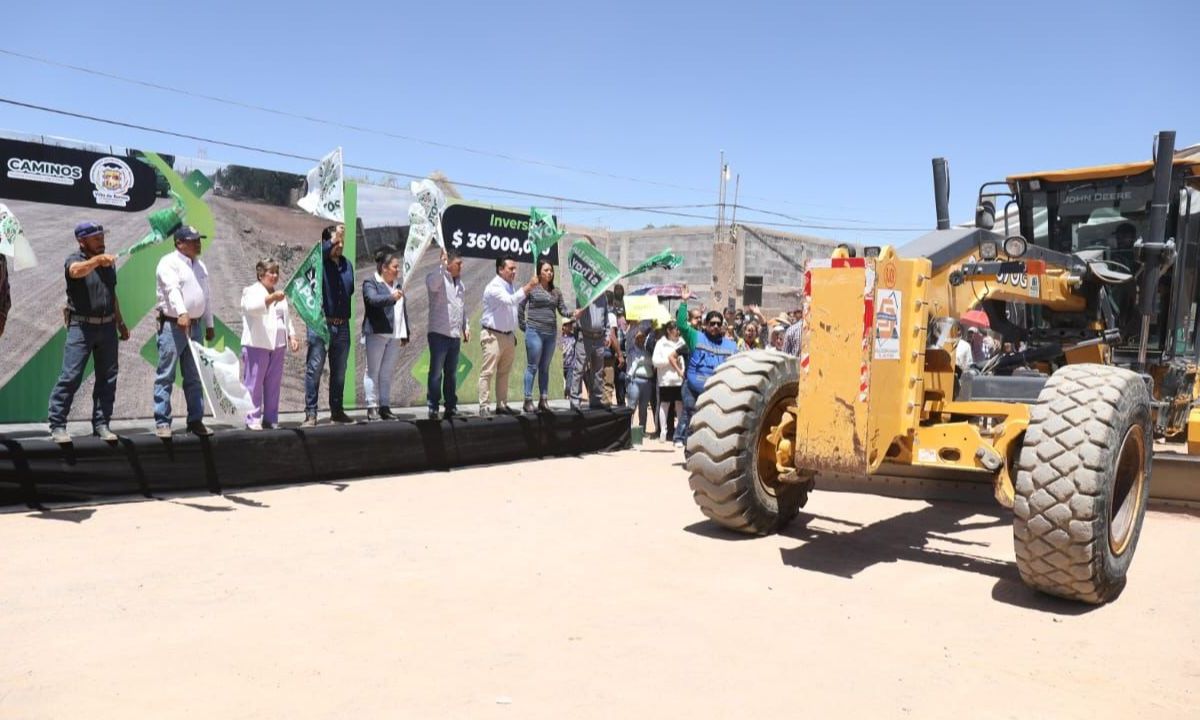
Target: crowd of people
<point x="658" y="369"/>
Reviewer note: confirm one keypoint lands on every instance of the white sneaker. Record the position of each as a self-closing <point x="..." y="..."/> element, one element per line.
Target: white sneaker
<point x="679" y="444"/>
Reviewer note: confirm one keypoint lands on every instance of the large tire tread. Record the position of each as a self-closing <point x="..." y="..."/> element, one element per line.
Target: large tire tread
<point x="1065" y="482"/>
<point x="722" y="444"/>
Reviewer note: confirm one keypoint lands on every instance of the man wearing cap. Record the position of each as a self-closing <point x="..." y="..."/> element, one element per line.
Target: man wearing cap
<point x="183" y="301"/>
<point x="339" y="290"/>
<point x="93" y="319"/>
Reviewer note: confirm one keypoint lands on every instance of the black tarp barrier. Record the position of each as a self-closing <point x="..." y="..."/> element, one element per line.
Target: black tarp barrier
<point x="34" y="471"/>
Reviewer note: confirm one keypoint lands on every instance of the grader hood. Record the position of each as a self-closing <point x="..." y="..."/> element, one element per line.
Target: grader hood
<point x="861" y="361"/>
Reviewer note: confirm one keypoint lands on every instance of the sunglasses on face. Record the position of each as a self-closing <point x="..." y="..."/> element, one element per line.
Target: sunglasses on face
<point x="715" y="323"/>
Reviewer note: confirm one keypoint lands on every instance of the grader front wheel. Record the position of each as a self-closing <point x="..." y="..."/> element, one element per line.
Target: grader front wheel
<point x="732" y="458"/>
<point x="1083" y="480"/>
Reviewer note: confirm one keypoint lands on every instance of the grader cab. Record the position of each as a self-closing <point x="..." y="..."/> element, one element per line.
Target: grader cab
<point x="1094" y="296"/>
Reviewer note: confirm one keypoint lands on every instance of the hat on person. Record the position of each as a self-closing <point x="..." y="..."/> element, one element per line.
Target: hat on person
<point x="187" y="232"/>
<point x="782" y="319"/>
<point x="88" y="229"/>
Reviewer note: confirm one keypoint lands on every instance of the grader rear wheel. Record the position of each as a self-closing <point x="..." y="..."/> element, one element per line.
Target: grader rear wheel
<point x="1083" y="480"/>
<point x="731" y="460"/>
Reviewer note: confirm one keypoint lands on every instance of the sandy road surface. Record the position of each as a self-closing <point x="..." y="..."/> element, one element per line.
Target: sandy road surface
<point x="570" y="588"/>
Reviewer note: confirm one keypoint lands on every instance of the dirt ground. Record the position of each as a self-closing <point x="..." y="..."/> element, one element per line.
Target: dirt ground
<point x="570" y="588"/>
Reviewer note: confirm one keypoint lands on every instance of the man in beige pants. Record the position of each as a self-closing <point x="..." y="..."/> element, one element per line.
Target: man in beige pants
<point x="498" y="338"/>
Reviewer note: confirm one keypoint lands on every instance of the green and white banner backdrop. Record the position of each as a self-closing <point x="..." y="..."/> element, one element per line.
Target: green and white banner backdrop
<point x="247" y="214"/>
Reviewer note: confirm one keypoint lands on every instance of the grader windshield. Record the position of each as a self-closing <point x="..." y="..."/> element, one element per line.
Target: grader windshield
<point x="1104" y="216"/>
<point x="1090" y="214"/>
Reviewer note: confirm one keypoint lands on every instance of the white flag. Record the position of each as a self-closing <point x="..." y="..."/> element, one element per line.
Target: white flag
<point x="433" y="202"/>
<point x="324" y="198"/>
<point x="420" y="233"/>
<point x="221" y="376"/>
<point x="424" y="224"/>
<point x="13" y="241"/>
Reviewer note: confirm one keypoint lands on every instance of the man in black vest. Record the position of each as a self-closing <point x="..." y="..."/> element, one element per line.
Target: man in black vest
<point x="93" y="319"/>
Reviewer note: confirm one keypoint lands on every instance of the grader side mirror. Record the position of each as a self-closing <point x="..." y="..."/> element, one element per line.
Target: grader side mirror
<point x="985" y="215"/>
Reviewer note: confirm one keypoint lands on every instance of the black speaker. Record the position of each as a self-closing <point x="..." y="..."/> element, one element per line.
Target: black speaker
<point x="752" y="290"/>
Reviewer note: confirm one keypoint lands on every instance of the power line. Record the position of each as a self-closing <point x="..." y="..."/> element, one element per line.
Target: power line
<point x="415" y="176"/>
<point x="362" y="129"/>
<point x="336" y="123"/>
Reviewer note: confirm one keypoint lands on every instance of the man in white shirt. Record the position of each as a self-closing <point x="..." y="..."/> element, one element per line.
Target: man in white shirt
<point x="498" y="336"/>
<point x="183" y="309"/>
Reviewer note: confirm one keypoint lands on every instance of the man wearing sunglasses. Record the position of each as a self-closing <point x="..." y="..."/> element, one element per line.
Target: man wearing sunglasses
<point x="707" y="349"/>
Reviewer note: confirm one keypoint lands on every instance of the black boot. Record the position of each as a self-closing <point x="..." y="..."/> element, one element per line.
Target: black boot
<point x="544" y="405"/>
<point x="385" y="413"/>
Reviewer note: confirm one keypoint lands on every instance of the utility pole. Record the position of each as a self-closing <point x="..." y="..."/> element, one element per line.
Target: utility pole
<point x="724" y="255"/>
<point x="735" y="237"/>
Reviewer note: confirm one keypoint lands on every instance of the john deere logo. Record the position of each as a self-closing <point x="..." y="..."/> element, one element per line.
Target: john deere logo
<point x="112" y="178"/>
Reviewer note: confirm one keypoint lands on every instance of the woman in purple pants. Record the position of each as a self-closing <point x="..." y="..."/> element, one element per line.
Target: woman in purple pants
<point x="267" y="332"/>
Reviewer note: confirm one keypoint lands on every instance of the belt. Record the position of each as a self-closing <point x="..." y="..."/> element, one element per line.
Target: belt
<point x="498" y="332"/>
<point x="337" y="321"/>
<point x="93" y="319"/>
<point x="593" y="336"/>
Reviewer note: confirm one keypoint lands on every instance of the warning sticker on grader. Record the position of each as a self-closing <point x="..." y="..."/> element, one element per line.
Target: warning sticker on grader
<point x="887" y="324"/>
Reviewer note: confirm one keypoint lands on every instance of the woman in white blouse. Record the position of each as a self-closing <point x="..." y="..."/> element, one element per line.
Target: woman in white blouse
<point x="385" y="327"/>
<point x="267" y="332"/>
<point x="669" y="368"/>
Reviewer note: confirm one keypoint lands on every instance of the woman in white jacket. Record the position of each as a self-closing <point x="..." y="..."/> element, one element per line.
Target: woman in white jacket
<point x="266" y="333"/>
<point x="669" y="367"/>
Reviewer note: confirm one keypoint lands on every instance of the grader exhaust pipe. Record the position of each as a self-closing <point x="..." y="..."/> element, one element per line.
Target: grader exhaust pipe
<point x="1157" y="252"/>
<point x="941" y="192"/>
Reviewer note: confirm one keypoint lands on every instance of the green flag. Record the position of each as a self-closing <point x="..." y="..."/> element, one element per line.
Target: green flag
<point x="543" y="232"/>
<point x="162" y="223"/>
<point x="591" y="272"/>
<point x="306" y="292"/>
<point x="665" y="260"/>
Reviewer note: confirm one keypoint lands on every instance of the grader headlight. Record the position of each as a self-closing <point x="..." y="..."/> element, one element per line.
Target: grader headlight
<point x="988" y="250"/>
<point x="1015" y="246"/>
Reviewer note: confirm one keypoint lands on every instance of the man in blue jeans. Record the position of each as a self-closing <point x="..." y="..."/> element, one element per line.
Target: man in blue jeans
<point x="94" y="323"/>
<point x="338" y="291"/>
<point x="184" y="309"/>
<point x="448" y="330"/>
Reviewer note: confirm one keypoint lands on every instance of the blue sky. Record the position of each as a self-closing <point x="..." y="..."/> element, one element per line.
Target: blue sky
<point x="830" y="111"/>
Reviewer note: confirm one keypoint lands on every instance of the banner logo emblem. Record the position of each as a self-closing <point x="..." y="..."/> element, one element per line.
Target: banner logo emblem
<point x="113" y="178"/>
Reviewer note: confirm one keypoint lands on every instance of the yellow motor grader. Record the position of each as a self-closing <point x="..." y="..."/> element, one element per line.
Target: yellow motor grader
<point x="1093" y="292"/>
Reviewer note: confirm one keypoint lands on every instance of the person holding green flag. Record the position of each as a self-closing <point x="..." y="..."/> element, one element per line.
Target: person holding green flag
<point x="337" y="290"/>
<point x="707" y="349"/>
